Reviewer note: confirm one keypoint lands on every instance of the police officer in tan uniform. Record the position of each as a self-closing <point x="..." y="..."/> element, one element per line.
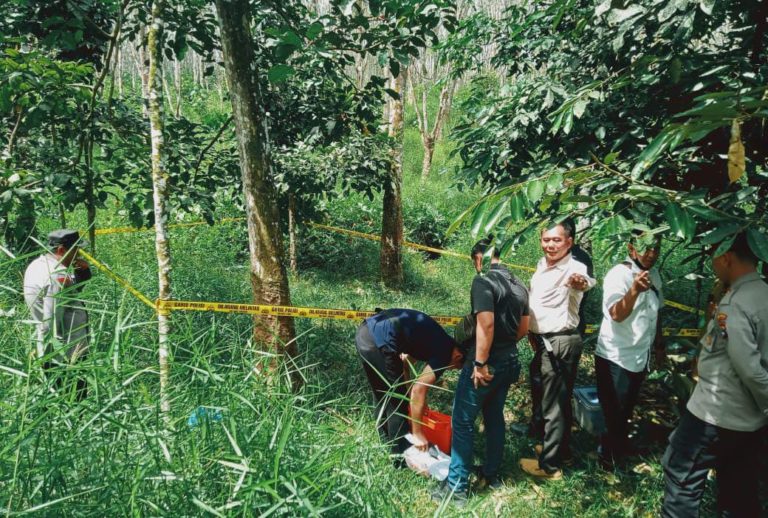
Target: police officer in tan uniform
<point x="51" y="290"/>
<point x="722" y="427"/>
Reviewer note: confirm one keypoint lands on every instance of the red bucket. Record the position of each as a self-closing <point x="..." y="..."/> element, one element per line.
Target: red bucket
<point x="437" y="428"/>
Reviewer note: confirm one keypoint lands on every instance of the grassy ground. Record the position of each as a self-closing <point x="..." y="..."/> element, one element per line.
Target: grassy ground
<point x="273" y="452"/>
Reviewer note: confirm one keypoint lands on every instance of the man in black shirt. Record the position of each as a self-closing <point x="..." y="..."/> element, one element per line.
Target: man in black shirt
<point x="388" y="343"/>
<point x="500" y="305"/>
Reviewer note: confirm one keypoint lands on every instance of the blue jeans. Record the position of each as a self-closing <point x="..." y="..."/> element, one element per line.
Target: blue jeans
<point x="467" y="404"/>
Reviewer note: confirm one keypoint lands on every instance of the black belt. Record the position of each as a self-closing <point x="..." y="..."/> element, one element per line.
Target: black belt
<point x="567" y="332"/>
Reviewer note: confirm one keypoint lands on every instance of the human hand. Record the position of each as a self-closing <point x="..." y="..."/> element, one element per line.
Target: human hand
<point x="577" y="282"/>
<point x="81" y="264"/>
<point x="482" y="376"/>
<point x="642" y="282"/>
<point x="421" y="443"/>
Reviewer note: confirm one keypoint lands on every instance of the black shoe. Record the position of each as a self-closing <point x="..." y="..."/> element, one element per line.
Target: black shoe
<point x="443" y="492"/>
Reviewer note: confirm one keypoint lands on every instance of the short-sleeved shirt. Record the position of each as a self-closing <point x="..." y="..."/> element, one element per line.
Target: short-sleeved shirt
<point x="502" y="293"/>
<point x="628" y="343"/>
<point x="413" y="333"/>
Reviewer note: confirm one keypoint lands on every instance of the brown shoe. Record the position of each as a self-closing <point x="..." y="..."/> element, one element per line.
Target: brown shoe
<point x="568" y="461"/>
<point x="531" y="466"/>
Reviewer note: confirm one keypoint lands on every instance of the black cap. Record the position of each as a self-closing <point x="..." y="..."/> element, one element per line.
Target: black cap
<point x="65" y="237"/>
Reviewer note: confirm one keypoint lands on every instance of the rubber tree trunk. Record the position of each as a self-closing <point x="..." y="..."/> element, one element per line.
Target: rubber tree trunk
<point x="392" y="213"/>
<point x="268" y="275"/>
<point x="429" y="151"/>
<point x="160" y="195"/>
<point x="292" y="233"/>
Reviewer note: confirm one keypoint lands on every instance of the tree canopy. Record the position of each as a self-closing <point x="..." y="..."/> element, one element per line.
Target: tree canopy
<point x="638" y="116"/>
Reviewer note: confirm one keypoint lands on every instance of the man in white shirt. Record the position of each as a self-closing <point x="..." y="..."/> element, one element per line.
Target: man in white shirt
<point x="632" y="298"/>
<point x="50" y="288"/>
<point x="557" y="288"/>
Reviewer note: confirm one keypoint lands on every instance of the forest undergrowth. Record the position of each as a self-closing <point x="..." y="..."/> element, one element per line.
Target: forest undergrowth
<point x="240" y="446"/>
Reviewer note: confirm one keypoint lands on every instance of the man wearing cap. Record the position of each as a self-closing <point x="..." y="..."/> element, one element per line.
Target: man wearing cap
<point x="389" y="343"/>
<point x="499" y="304"/>
<point x="51" y="283"/>
<point x="723" y="425"/>
<point x="632" y="298"/>
<point x="557" y="288"/>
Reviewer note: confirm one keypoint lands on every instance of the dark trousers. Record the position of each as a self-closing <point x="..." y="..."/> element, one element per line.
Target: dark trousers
<point x="617" y="390"/>
<point x="384" y="370"/>
<point x="558" y="374"/>
<point x="694" y="448"/>
<point x="536" y="427"/>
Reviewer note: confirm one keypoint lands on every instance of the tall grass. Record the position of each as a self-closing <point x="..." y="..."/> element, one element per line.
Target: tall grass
<point x="273" y="452"/>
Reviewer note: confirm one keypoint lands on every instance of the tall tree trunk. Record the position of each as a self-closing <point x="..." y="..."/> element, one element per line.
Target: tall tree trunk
<point x="119" y="71"/>
<point x="392" y="213"/>
<point x="268" y="276"/>
<point x="292" y="233"/>
<point x="90" y="194"/>
<point x="177" y="85"/>
<point x="429" y="150"/>
<point x="160" y="195"/>
<point x="143" y="69"/>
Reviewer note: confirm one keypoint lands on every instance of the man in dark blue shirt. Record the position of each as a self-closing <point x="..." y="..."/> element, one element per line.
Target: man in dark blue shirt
<point x="388" y="343"/>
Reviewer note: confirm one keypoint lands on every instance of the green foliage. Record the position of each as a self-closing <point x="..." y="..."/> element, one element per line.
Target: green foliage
<point x="631" y="141"/>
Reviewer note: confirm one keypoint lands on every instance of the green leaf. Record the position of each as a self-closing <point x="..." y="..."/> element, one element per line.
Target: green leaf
<point x="758" y="242"/>
<point x="706" y="213"/>
<point x="610" y="158"/>
<point x="724" y="246"/>
<point x="720" y="233"/>
<point x="555" y="183"/>
<point x="680" y="221"/>
<point x="498" y="213"/>
<point x="534" y="189"/>
<point x="394" y="67"/>
<point x="478" y="218"/>
<point x="279" y="73"/>
<point x="707" y="6"/>
<point x="652" y="152"/>
<point x="517" y="207"/>
<point x="314" y="30"/>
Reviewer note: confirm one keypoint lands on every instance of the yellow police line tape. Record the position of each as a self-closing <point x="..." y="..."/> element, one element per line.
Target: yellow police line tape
<point x="166" y="306"/>
<point x="330" y="313"/>
<point x="363" y="235"/>
<point x="112" y="275"/>
<point x="417" y="246"/>
<point x="131" y="230"/>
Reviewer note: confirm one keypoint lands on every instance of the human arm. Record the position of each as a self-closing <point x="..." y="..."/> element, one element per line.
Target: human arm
<point x="484" y="339"/>
<point x="744" y="353"/>
<point x="408" y="367"/>
<point x="621" y="310"/>
<point x="659" y="349"/>
<point x="522" y="329"/>
<point x="419" y="391"/>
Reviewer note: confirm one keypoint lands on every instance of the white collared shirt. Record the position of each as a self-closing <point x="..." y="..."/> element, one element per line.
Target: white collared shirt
<point x="628" y="343"/>
<point x="555" y="306"/>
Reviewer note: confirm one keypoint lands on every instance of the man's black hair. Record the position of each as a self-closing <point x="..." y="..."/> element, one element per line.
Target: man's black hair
<point x="568" y="226"/>
<point x="742" y="250"/>
<point x="482" y="246"/>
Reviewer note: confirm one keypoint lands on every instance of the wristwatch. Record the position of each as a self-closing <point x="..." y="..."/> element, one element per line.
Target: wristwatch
<point x="478" y="364"/>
